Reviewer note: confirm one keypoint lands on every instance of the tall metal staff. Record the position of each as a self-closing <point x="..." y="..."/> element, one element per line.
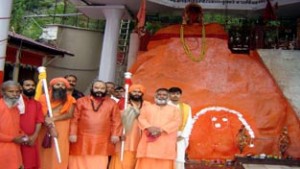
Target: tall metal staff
<point x="127" y="76"/>
<point x="42" y="78"/>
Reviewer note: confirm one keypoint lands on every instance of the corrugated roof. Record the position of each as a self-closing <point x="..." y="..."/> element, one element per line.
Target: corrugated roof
<point x="26" y="42"/>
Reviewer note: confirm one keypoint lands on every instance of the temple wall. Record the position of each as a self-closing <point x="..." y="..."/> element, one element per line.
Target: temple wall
<point x="86" y="46"/>
<point x="284" y="65"/>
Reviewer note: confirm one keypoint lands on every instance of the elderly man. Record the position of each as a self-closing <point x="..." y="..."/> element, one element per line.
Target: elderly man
<point x="62" y="105"/>
<point x="132" y="131"/>
<point x="159" y="123"/>
<point x="10" y="133"/>
<point x="185" y="126"/>
<point x="95" y="129"/>
<point x="31" y="122"/>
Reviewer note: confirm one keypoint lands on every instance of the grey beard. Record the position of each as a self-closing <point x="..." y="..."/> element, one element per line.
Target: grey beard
<point x="10" y="101"/>
<point x="59" y="94"/>
<point x="161" y="102"/>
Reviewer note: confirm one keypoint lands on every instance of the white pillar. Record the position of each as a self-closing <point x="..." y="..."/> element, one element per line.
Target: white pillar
<point x="108" y="59"/>
<point x="5" y="11"/>
<point x="134" y="45"/>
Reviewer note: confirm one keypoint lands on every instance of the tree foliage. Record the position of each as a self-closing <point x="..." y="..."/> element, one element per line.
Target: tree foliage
<point x="23" y="23"/>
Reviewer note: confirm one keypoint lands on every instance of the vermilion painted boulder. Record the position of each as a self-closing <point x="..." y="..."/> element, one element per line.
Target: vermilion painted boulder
<point x="225" y="91"/>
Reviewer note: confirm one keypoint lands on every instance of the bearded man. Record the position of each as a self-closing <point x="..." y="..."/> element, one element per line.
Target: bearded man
<point x="95" y="128"/>
<point x="31" y="122"/>
<point x="62" y="105"/>
<point x="159" y="123"/>
<point x="11" y="136"/>
<point x="132" y="131"/>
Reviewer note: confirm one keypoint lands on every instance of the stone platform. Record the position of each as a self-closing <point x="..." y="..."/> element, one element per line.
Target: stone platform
<point x="245" y="163"/>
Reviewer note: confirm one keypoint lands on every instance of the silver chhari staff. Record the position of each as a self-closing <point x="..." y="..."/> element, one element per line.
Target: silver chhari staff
<point x="42" y="78"/>
<point x="127" y="76"/>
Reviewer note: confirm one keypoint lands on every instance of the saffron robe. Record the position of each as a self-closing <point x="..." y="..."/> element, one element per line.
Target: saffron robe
<point x="10" y="154"/>
<point x="163" y="149"/>
<point x="94" y="129"/>
<point x="48" y="155"/>
<point x="184" y="131"/>
<point x="130" y="145"/>
<point x="32" y="116"/>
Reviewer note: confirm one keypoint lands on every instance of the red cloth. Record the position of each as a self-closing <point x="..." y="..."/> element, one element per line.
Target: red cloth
<point x="10" y="154"/>
<point x="33" y="115"/>
<point x="141" y="16"/>
<point x="269" y="13"/>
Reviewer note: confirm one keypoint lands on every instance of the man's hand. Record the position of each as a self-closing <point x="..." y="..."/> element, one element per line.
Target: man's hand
<point x="19" y="139"/>
<point x="179" y="138"/>
<point x="49" y="121"/>
<point x="31" y="140"/>
<point x="52" y="131"/>
<point x="122" y="138"/>
<point x="154" y="131"/>
<point x="73" y="138"/>
<point x="115" y="139"/>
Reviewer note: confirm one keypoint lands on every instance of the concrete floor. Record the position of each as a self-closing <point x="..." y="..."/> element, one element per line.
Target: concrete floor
<point x="264" y="166"/>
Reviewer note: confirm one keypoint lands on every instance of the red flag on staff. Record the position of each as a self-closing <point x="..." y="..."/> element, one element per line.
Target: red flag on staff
<point x="127" y="84"/>
<point x="269" y="13"/>
<point x="141" y="16"/>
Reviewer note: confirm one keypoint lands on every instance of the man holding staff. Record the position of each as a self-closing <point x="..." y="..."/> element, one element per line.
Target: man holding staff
<point x="62" y="105"/>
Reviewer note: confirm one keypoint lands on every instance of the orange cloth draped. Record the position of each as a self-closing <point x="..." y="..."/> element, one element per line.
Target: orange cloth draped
<point x="148" y="163"/>
<point x="137" y="87"/>
<point x="48" y="155"/>
<point x="88" y="162"/>
<point x="129" y="160"/>
<point x="168" y="119"/>
<point x="239" y="82"/>
<point x="60" y="79"/>
<point x="10" y="153"/>
<point x="94" y="129"/>
<point x="130" y="147"/>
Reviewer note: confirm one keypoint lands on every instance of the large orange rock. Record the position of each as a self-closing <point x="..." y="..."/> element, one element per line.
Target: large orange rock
<point x="225" y="91"/>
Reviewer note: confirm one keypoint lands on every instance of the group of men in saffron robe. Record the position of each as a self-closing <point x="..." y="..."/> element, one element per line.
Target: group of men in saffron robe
<point x="92" y="128"/>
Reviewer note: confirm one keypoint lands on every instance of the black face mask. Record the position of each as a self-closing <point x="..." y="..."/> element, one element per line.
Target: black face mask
<point x="59" y="94"/>
<point x="135" y="97"/>
<point x="29" y="92"/>
<point x="98" y="94"/>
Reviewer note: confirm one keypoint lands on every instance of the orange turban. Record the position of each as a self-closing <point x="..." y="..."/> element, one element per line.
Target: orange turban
<point x="60" y="79"/>
<point x="137" y="86"/>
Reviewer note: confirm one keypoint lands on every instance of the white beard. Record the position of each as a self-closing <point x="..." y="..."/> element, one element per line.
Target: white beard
<point x="161" y="102"/>
<point x="10" y="101"/>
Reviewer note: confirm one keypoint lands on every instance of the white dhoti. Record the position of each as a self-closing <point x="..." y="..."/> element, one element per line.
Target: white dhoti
<point x="181" y="147"/>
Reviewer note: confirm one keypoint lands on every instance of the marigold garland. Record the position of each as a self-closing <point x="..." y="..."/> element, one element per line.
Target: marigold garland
<point x="187" y="49"/>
